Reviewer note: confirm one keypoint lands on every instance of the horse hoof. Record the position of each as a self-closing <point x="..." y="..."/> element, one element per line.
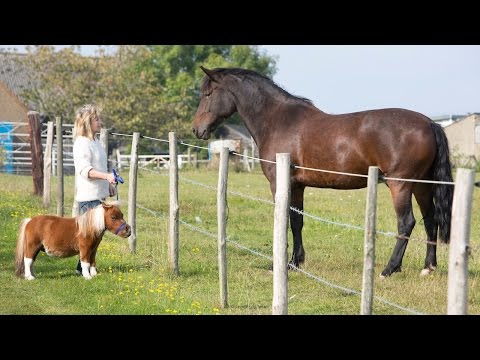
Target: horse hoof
<point x="427" y="271"/>
<point x="93" y="271"/>
<point x="292" y="266"/>
<point x="30" y="277"/>
<point x="382" y="277"/>
<point x="87" y="277"/>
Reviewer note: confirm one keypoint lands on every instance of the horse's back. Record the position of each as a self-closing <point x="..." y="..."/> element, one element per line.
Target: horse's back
<point x="399" y="141"/>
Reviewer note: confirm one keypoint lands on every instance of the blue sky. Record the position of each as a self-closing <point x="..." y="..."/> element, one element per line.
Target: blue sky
<point x="431" y="79"/>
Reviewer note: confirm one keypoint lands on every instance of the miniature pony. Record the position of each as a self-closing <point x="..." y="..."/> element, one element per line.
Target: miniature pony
<point x="65" y="237"/>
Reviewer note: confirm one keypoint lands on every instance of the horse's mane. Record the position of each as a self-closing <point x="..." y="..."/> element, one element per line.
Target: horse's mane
<point x="91" y="222"/>
<point x="254" y="76"/>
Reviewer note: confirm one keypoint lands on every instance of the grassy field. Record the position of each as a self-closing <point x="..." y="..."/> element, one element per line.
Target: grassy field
<point x="141" y="283"/>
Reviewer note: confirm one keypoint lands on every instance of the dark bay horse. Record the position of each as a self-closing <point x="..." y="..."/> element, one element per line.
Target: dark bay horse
<point x="65" y="237"/>
<point x="402" y="143"/>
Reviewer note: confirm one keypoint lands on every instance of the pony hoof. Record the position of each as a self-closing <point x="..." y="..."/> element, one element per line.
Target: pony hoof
<point x="30" y="277"/>
<point x="87" y="277"/>
<point x="93" y="272"/>
<point x="382" y="277"/>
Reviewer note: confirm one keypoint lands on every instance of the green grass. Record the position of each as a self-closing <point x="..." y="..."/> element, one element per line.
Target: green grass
<point x="142" y="283"/>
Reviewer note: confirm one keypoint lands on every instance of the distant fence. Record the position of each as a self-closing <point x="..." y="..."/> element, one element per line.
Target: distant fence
<point x="158" y="161"/>
<point x="16" y="150"/>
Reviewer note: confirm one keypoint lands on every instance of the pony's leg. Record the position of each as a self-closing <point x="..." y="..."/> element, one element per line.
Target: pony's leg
<point x="85" y="263"/>
<point x="28" y="268"/>
<point x="93" y="264"/>
<point x="296" y="224"/>
<point x="424" y="196"/>
<point x="402" y="202"/>
<point x="31" y="253"/>
<point x="86" y="270"/>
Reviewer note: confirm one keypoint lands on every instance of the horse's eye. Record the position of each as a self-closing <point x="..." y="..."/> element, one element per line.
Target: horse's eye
<point x="208" y="94"/>
<point x="114" y="218"/>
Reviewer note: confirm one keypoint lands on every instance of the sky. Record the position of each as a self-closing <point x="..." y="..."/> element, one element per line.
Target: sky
<point x="432" y="79"/>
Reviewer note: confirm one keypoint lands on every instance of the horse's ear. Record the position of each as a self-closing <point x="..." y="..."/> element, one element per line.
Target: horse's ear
<point x="209" y="73"/>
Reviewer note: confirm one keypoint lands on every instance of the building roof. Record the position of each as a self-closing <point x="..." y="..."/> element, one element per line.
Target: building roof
<point x="233" y="131"/>
<point x="16" y="76"/>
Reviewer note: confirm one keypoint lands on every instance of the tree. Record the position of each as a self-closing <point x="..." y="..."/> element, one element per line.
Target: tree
<point x="62" y="80"/>
<point x="151" y="89"/>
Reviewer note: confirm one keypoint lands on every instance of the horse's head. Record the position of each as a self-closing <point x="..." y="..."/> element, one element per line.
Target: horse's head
<point x="114" y="221"/>
<point x="216" y="104"/>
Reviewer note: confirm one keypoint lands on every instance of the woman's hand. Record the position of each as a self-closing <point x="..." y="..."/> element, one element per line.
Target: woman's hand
<point x="112" y="189"/>
<point x="110" y="178"/>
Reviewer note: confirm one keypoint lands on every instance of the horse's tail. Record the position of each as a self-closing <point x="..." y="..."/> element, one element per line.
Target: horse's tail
<point x="442" y="193"/>
<point x="20" y="251"/>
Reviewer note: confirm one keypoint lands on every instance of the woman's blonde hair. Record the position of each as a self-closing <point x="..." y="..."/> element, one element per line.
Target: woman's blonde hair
<point x="83" y="118"/>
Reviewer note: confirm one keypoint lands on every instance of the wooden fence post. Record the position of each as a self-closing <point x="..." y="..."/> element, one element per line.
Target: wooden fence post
<point x="222" y="225"/>
<point x="132" y="193"/>
<point x="280" y="237"/>
<point x="60" y="193"/>
<point x="47" y="170"/>
<point x="369" y="242"/>
<point x="36" y="152"/>
<point x="174" y="208"/>
<point x="459" y="249"/>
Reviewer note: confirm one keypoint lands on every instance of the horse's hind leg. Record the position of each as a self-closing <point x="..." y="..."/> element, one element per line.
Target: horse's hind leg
<point x="31" y="253"/>
<point x="402" y="202"/>
<point x="296" y="224"/>
<point x="424" y="196"/>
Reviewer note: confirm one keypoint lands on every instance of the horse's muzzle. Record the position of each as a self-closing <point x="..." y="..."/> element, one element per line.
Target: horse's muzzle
<point x="203" y="134"/>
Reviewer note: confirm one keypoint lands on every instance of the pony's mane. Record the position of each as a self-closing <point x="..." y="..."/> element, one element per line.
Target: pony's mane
<point x="254" y="76"/>
<point x="92" y="221"/>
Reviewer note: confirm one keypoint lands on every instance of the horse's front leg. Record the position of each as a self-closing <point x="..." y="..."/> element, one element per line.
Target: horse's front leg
<point x="296" y="224"/>
<point x="93" y="264"/>
<point x="85" y="255"/>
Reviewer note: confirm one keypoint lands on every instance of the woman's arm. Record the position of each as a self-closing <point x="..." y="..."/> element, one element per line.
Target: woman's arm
<point x="95" y="174"/>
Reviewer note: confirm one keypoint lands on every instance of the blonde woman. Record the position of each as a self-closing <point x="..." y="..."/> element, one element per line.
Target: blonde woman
<point x="93" y="181"/>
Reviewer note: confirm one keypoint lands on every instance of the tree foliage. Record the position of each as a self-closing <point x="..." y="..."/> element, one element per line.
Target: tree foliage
<point x="151" y="89"/>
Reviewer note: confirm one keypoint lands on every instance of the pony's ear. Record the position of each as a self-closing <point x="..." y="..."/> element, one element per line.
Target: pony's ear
<point x="211" y="74"/>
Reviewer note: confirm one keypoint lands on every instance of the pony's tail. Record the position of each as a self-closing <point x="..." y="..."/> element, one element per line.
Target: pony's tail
<point x="442" y="193"/>
<point x="20" y="251"/>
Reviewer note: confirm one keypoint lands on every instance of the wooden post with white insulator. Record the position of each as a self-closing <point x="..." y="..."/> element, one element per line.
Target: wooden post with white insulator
<point x="369" y="242"/>
<point x="222" y="225"/>
<point x="246" y="161"/>
<point x="459" y="248"/>
<point x="253" y="153"/>
<point x="60" y="193"/>
<point x="132" y="193"/>
<point x="280" y="237"/>
<point x="174" y="208"/>
<point x="47" y="166"/>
